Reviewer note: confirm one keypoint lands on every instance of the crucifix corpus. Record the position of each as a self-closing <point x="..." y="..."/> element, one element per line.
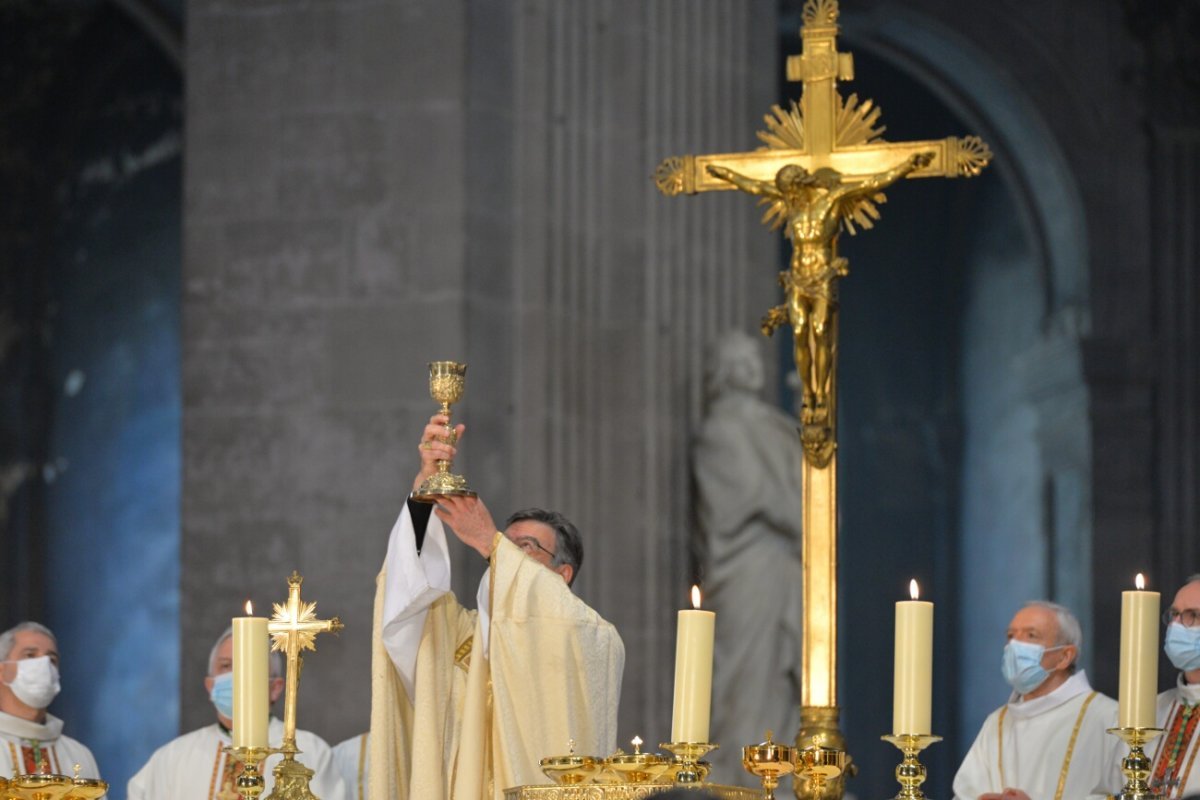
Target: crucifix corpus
<point x="823" y="169"/>
<point x="294" y="628"/>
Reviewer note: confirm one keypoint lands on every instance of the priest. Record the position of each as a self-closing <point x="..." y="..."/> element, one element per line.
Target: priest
<point x="31" y="739"/>
<point x="1050" y="741"/>
<point x="465" y="703"/>
<point x="1173" y="772"/>
<point x="195" y="766"/>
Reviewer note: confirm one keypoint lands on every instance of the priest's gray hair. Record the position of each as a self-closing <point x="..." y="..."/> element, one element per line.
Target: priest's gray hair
<point x="8" y="639"/>
<point x="568" y="544"/>
<point x="274" y="660"/>
<point x="1069" y="630"/>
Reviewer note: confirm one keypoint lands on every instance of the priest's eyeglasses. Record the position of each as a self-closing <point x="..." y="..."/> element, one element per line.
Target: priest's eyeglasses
<point x="531" y="545"/>
<point x="1188" y="617"/>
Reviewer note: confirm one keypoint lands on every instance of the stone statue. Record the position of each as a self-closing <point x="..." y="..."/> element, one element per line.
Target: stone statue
<point x="814" y="206"/>
<point x="747" y="462"/>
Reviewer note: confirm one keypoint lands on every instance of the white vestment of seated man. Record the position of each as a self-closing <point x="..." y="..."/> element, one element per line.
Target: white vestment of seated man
<point x="195" y="766"/>
<point x="28" y="747"/>
<point x="466" y="703"/>
<point x="1053" y="747"/>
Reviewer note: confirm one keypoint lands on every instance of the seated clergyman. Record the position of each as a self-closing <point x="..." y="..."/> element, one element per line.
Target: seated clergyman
<point x="465" y="703"/>
<point x="1174" y="752"/>
<point x="195" y="766"/>
<point x="1050" y="741"/>
<point x="31" y="739"/>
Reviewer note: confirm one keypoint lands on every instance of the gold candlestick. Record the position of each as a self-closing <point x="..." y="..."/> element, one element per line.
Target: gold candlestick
<point x="911" y="772"/>
<point x="446" y="381"/>
<point x="1136" y="765"/>
<point x="687" y="766"/>
<point x="250" y="784"/>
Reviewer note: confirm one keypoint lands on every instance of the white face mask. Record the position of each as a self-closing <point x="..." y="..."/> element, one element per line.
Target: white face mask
<point x="36" y="684"/>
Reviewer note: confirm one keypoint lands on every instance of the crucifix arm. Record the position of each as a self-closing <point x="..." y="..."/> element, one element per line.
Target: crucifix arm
<point x="748" y="185"/>
<point x="882" y="180"/>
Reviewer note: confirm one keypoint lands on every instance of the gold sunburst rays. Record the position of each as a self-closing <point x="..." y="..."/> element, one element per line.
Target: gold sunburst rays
<point x="306" y="615"/>
<point x="820" y="12"/>
<point x="857" y="123"/>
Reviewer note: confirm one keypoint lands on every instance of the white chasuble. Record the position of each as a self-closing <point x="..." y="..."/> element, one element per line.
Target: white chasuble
<point x="465" y="704"/>
<point x="195" y="767"/>
<point x="1054" y="747"/>
<point x="28" y="747"/>
<point x="1174" y="771"/>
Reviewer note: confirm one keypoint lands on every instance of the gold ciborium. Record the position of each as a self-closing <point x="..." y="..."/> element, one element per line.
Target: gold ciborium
<point x="1136" y="765"/>
<point x="569" y="769"/>
<point x="446" y="380"/>
<point x="53" y="787"/>
<point x="769" y="762"/>
<point x="636" y="767"/>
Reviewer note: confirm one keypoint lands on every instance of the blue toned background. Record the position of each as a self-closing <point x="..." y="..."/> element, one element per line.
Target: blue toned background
<point x="101" y="286"/>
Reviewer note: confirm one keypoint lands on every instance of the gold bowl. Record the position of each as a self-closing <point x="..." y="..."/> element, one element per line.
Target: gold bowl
<point x="636" y="767"/>
<point x="569" y="770"/>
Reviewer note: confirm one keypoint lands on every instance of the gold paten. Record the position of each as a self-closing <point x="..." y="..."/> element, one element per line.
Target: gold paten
<point x="293" y="628"/>
<point x="446" y="383"/>
<point x="625" y="791"/>
<point x="911" y="772"/>
<point x="1136" y="765"/>
<point x="822" y="169"/>
<point x="44" y="786"/>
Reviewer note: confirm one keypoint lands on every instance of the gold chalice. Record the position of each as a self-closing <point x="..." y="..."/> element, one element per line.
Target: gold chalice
<point x="569" y="769"/>
<point x="636" y="767"/>
<point x="446" y="380"/>
<point x="769" y="762"/>
<point x="40" y="786"/>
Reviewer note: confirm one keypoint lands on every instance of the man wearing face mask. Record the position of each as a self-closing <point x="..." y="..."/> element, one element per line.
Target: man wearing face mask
<point x="31" y="740"/>
<point x="196" y="767"/>
<point x="1175" y="751"/>
<point x="1050" y="741"/>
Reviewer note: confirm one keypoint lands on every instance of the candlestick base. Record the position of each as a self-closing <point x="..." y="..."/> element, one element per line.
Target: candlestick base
<point x="910" y="773"/>
<point x="1136" y="765"/>
<point x="250" y="784"/>
<point x="687" y="766"/>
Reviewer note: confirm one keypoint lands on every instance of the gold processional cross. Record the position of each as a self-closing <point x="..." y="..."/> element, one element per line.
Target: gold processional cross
<point x="294" y="628"/>
<point x="823" y="168"/>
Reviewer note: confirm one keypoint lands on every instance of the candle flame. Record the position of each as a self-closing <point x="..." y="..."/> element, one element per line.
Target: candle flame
<point x="1140" y="582"/>
<point x="249" y="609"/>
<point x="914" y="591"/>
<point x="695" y="596"/>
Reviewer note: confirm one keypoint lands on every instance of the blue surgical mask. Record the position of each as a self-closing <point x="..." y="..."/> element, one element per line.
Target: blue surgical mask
<point x="1022" y="665"/>
<point x="1182" y="646"/>
<point x="222" y="694"/>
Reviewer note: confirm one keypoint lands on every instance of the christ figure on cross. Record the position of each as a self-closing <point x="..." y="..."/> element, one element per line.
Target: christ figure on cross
<point x="814" y="205"/>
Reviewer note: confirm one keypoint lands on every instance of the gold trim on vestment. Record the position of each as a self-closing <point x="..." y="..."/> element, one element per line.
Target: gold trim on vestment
<point x="1066" y="765"/>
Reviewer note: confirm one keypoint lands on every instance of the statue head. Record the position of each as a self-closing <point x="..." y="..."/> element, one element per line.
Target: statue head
<point x="735" y="364"/>
<point x="791" y="178"/>
<point x="825" y="178"/>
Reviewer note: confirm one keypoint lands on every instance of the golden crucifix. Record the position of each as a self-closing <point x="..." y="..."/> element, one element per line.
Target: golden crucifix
<point x="823" y="168"/>
<point x="294" y="628"/>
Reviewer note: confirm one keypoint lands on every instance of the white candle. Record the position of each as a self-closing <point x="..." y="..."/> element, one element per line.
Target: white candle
<point x="912" y="689"/>
<point x="693" y="673"/>
<point x="250" y="680"/>
<point x="1139" y="657"/>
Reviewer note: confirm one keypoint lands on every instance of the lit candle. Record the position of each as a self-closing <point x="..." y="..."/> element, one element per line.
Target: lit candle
<point x="693" y="673"/>
<point x="913" y="667"/>
<point x="250" y="680"/>
<point x="1139" y="657"/>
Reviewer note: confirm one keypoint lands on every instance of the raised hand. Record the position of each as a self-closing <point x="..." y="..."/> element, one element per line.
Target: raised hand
<point x="470" y="521"/>
<point x="434" y="446"/>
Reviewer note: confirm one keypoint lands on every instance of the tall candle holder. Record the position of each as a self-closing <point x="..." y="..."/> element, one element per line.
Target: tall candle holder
<point x="688" y="766"/>
<point x="250" y="784"/>
<point x="1136" y="765"/>
<point x="910" y="773"/>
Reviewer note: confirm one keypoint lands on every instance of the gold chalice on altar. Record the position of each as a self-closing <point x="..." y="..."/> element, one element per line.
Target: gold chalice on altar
<point x="636" y="767"/>
<point x="446" y="381"/>
<point x="569" y="769"/>
<point x="769" y="762"/>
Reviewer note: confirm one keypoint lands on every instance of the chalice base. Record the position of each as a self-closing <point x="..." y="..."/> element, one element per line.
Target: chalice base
<point x="442" y="484"/>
